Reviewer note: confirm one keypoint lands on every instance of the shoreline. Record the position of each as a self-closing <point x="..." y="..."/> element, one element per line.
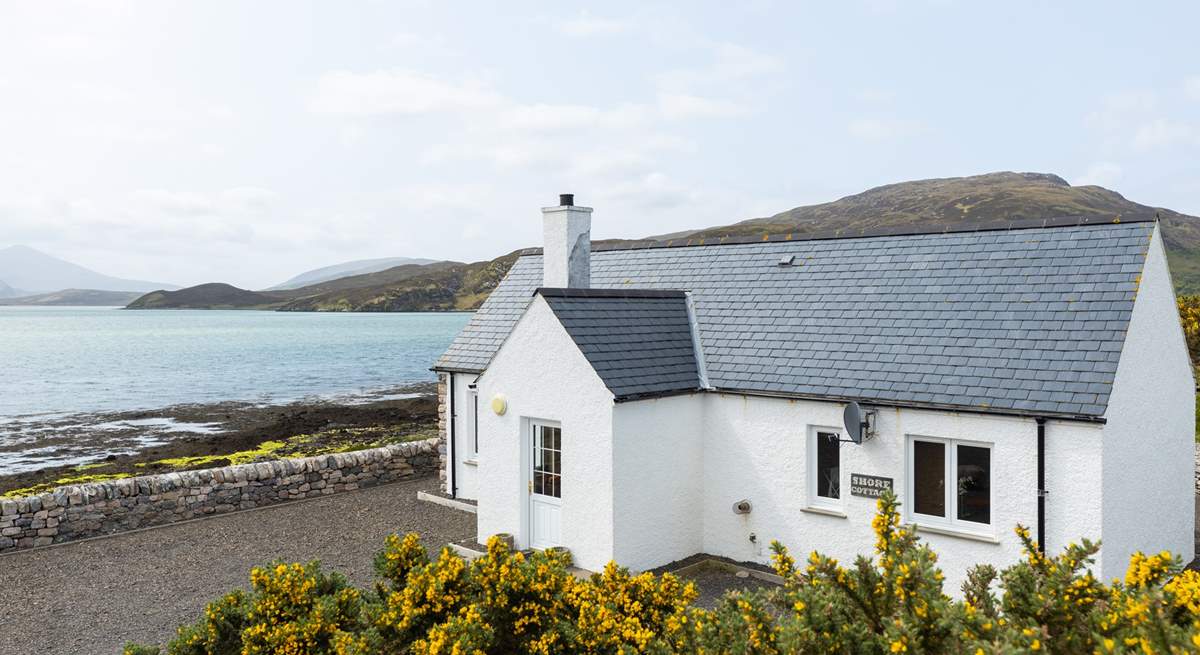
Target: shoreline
<point x="97" y="446"/>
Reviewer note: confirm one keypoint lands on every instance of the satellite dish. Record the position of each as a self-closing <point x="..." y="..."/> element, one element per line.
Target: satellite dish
<point x="860" y="423"/>
<point x="853" y="418"/>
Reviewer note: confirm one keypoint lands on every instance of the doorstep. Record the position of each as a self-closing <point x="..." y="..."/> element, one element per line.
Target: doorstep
<point x="438" y="498"/>
<point x="470" y="550"/>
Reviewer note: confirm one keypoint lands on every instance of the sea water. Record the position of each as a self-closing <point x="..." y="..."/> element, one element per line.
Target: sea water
<point x="56" y="361"/>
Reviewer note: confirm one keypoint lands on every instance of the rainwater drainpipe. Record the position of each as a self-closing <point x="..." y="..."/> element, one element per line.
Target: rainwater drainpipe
<point x="1041" y="484"/>
<point x="450" y="435"/>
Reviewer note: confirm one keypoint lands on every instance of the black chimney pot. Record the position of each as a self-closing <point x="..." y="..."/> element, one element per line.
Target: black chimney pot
<point x="566" y="199"/>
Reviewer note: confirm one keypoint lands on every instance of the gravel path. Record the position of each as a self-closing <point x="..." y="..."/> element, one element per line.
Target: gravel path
<point x="93" y="596"/>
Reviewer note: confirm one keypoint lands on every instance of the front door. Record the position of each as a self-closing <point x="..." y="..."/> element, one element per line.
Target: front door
<point x="545" y="486"/>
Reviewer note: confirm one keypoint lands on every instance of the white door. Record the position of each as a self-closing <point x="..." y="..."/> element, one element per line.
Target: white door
<point x="545" y="486"/>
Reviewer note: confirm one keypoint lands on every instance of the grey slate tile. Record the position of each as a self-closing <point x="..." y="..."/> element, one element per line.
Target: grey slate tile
<point x="971" y="316"/>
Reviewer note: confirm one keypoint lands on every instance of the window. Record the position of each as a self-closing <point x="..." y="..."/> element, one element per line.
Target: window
<point x="824" y="468"/>
<point x="472" y="423"/>
<point x="950" y="482"/>
<point x="547" y="461"/>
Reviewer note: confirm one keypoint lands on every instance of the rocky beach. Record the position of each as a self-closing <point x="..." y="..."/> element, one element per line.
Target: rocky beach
<point x="40" y="452"/>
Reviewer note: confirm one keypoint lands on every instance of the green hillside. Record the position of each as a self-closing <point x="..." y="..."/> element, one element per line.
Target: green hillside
<point x="981" y="200"/>
<point x="988" y="200"/>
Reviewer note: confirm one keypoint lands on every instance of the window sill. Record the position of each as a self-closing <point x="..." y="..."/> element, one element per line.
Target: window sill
<point x="953" y="532"/>
<point x="826" y="511"/>
<point x="471" y="462"/>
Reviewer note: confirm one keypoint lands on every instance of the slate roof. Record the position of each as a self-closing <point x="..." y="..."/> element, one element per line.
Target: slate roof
<point x="638" y="341"/>
<point x="1024" y="321"/>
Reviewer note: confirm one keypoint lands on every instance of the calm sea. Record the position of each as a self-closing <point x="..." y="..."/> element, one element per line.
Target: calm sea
<point x="70" y="360"/>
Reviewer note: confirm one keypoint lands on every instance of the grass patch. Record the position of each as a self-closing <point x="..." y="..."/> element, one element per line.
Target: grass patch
<point x="326" y="442"/>
<point x="61" y="482"/>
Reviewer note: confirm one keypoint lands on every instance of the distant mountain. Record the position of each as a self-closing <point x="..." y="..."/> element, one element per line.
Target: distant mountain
<point x="439" y="286"/>
<point x="9" y="292"/>
<point x="990" y="200"/>
<point x="357" y="267"/>
<point x="214" y="295"/>
<point x="993" y="199"/>
<point x="36" y="272"/>
<point x="76" y="298"/>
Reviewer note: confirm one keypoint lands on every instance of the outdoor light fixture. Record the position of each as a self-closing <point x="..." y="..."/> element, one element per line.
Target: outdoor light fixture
<point x="499" y="404"/>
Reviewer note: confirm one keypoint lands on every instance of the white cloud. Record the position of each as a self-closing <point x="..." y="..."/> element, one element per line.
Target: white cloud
<point x="879" y="128"/>
<point x="1162" y="132"/>
<point x="1117" y="110"/>
<point x="729" y="62"/>
<point x="550" y="117"/>
<point x="1191" y="87"/>
<point x="397" y="92"/>
<point x="587" y="25"/>
<point x="675" y="106"/>
<point x="1101" y="173"/>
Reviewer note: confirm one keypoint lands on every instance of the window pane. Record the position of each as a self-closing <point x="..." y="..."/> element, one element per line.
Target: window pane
<point x="974" y="484"/>
<point x="929" y="478"/>
<point x="828" y="481"/>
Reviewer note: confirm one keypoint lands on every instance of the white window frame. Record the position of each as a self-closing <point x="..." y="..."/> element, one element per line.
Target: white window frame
<point x="950" y="521"/>
<point x="472" y="423"/>
<point x="814" y="500"/>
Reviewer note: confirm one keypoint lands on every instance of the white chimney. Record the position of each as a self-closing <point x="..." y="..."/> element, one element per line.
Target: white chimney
<point x="567" y="253"/>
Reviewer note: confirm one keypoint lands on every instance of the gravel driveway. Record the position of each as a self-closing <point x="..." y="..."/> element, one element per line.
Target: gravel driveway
<point x="93" y="596"/>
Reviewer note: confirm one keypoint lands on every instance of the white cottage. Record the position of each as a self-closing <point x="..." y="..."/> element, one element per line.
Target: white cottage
<point x="651" y="402"/>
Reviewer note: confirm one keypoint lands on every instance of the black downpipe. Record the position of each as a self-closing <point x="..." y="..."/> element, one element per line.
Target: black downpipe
<point x="1041" y="484"/>
<point x="450" y="435"/>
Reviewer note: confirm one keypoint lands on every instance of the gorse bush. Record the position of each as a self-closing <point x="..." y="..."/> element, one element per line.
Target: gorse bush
<point x="890" y="602"/>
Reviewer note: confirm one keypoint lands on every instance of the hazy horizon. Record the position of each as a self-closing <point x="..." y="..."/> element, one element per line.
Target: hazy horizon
<point x="246" y="143"/>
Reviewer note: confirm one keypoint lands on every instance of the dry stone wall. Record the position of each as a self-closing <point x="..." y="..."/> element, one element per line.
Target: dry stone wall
<point x="443" y="427"/>
<point x="88" y="510"/>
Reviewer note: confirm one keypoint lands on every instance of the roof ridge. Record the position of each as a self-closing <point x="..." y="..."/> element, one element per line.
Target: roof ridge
<point x="590" y="292"/>
<point x="901" y="231"/>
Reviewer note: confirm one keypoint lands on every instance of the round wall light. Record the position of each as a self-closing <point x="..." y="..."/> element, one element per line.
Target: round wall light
<point x="499" y="404"/>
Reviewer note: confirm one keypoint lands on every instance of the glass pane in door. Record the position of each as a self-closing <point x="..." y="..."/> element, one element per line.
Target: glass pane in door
<point x="547" y="461"/>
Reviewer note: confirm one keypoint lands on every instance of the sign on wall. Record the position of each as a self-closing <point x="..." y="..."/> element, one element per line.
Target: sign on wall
<point x="868" y="486"/>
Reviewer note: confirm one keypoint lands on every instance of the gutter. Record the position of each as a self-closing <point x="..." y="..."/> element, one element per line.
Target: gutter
<point x="1041" y="484"/>
<point x="450" y="420"/>
<point x="962" y="409"/>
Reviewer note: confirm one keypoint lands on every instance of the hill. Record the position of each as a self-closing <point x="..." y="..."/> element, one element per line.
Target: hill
<point x="75" y="298"/>
<point x="993" y="199"/>
<point x="9" y="292"/>
<point x="214" y="295"/>
<point x="346" y="269"/>
<point x="36" y="272"/>
<point x="981" y="200"/>
<point x="440" y="286"/>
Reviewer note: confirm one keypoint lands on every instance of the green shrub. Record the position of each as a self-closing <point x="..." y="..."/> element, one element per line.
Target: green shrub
<point x="890" y="602"/>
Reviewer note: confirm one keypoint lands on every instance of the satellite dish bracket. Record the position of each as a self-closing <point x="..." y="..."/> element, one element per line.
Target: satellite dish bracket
<point x="860" y="423"/>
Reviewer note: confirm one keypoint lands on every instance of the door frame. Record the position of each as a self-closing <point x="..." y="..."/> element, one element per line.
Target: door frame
<point x="528" y="425"/>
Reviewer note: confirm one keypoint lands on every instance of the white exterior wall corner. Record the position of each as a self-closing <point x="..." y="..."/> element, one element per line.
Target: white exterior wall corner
<point x="465" y="469"/>
<point x="1149" y="457"/>
<point x="755" y="449"/>
<point x="544" y="376"/>
<point x="658" y="480"/>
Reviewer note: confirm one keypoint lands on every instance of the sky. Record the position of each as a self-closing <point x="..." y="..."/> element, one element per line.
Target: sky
<point x="245" y="142"/>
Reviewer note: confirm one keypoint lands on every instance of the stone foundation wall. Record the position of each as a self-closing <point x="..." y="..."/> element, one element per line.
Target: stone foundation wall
<point x="443" y="426"/>
<point x="88" y="510"/>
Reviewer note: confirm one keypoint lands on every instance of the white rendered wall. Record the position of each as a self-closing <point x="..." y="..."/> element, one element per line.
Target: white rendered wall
<point x="464" y="462"/>
<point x="658" y="480"/>
<point x="545" y="376"/>
<point x="567" y="239"/>
<point x="1149" y="439"/>
<point x="755" y="449"/>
